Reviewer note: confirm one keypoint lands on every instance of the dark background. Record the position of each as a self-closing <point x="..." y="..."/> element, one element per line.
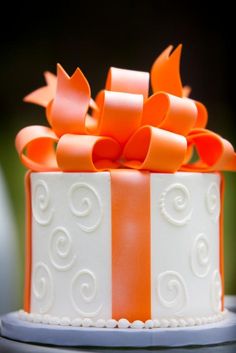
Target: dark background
<point x="122" y="34"/>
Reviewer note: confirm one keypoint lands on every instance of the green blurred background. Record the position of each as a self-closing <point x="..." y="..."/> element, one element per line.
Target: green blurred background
<point x="122" y="34"/>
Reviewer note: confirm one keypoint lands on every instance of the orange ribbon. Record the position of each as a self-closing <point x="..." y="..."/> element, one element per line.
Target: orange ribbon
<point x="123" y="127"/>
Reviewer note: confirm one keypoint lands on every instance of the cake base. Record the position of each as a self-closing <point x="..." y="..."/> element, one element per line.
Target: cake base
<point x="14" y="328"/>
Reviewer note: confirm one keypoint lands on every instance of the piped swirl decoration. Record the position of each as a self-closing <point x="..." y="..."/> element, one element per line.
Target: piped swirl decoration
<point x="126" y="128"/>
<point x="200" y="256"/>
<point x="88" y="207"/>
<point x="83" y="291"/>
<point x="175" y="204"/>
<point x="216" y="291"/>
<point x="42" y="212"/>
<point x="172" y="291"/>
<point x="43" y="287"/>
<point x="61" y="249"/>
<point x="213" y="201"/>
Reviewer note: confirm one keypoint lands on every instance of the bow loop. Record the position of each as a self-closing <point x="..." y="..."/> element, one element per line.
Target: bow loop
<point x="35" y="146"/>
<point x="155" y="149"/>
<point x="215" y="153"/>
<point x="129" y="81"/>
<point x="119" y="115"/>
<point x="170" y="113"/>
<point x="87" y="153"/>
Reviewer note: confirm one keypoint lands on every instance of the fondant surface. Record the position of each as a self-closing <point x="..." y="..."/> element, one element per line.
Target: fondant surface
<point x="71" y="245"/>
<point x="72" y="248"/>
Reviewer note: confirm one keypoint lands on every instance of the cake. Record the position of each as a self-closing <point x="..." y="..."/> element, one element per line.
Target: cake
<point x="124" y="225"/>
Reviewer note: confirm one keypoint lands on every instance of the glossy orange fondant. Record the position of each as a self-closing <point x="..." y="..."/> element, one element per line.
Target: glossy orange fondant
<point x="154" y="149"/>
<point x="202" y="115"/>
<point x="69" y="108"/>
<point x="35" y="145"/>
<point x="166" y="123"/>
<point x="129" y="81"/>
<point x="44" y="95"/>
<point x="165" y="72"/>
<point x="131" y="293"/>
<point x="92" y="153"/>
<point x="215" y="153"/>
<point x="28" y="245"/>
<point x="119" y="115"/>
<point x="170" y="113"/>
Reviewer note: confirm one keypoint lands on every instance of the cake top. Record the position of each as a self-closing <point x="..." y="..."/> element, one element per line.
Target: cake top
<point x="123" y="127"/>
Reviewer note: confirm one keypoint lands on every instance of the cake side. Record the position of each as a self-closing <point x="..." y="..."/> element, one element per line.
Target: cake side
<point x="186" y="244"/>
<point x="72" y="279"/>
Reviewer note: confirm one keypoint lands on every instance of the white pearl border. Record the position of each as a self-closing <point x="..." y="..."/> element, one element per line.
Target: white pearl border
<point x="122" y="323"/>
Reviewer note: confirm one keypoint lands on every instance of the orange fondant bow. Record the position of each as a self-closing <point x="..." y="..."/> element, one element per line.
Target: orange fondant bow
<point x="126" y="127"/>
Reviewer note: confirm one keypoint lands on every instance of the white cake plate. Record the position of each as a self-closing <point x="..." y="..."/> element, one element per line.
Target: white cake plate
<point x="14" y="328"/>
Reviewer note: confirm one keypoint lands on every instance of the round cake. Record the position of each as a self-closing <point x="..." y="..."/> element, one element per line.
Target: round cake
<point x="124" y="225"/>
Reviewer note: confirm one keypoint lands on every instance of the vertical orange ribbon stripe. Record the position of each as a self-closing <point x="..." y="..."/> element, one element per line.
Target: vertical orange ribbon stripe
<point x="131" y="288"/>
<point x="28" y="244"/>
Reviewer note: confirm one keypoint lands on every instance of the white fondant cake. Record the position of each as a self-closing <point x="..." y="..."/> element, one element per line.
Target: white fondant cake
<point x="71" y="228"/>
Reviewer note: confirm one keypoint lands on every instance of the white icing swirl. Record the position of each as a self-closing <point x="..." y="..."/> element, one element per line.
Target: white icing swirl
<point x="42" y="212"/>
<point x="86" y="204"/>
<point x="200" y="256"/>
<point x="60" y="249"/>
<point x="83" y="292"/>
<point x="172" y="291"/>
<point x="216" y="291"/>
<point x="213" y="201"/>
<point x="43" y="287"/>
<point x="175" y="204"/>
